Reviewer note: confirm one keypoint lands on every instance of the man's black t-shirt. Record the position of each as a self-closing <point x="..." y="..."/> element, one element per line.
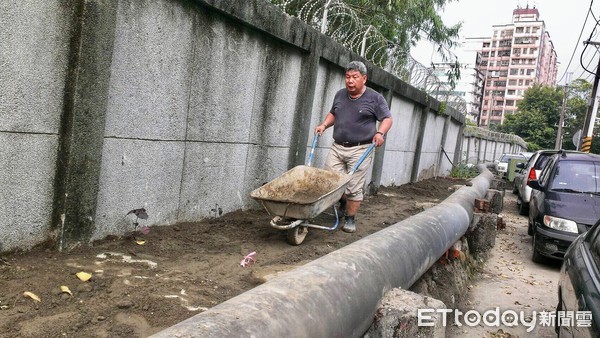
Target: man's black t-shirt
<point x="355" y="119"/>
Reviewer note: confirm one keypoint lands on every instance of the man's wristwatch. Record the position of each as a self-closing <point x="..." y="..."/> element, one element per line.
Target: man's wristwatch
<point x="382" y="134"/>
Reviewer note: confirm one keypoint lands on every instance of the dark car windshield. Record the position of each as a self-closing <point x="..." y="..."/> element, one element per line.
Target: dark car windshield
<point x="575" y="176"/>
<point x="541" y="161"/>
<point x="505" y="158"/>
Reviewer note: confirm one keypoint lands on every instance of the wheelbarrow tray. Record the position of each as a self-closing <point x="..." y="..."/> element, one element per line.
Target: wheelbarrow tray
<point x="302" y="192"/>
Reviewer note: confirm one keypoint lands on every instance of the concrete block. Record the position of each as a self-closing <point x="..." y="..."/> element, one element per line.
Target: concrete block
<point x="27" y="175"/>
<point x="481" y="234"/>
<point x="496" y="198"/>
<point x="208" y="180"/>
<point x="34" y="61"/>
<point x="138" y="174"/>
<point x="397" y="316"/>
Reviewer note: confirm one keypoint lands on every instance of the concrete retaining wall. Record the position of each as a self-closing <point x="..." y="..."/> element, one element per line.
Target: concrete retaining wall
<point x="177" y="107"/>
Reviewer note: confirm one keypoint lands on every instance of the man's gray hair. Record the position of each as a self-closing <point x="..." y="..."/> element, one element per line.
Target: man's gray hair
<point x="357" y="65"/>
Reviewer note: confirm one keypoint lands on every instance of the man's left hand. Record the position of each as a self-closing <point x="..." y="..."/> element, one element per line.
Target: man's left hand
<point x="378" y="139"/>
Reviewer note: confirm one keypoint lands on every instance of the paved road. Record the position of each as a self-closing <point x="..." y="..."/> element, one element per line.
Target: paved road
<point x="511" y="281"/>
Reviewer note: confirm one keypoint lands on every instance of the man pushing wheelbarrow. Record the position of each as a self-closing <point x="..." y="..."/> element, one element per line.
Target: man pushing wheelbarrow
<point x="354" y="115"/>
<point x="302" y="193"/>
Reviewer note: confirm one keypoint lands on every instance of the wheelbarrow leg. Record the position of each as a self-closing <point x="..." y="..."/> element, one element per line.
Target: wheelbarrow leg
<point x="296" y="235"/>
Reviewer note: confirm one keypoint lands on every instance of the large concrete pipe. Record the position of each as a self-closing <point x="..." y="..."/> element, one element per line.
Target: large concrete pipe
<point x="337" y="295"/>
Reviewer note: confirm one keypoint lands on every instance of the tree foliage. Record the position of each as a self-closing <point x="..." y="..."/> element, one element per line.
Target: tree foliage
<point x="537" y="118"/>
<point x="406" y="21"/>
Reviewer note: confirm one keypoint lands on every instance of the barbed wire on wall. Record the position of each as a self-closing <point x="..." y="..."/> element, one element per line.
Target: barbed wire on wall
<point x="339" y="21"/>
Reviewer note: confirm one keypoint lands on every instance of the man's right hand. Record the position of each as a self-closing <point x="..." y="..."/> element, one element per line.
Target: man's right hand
<point x="320" y="129"/>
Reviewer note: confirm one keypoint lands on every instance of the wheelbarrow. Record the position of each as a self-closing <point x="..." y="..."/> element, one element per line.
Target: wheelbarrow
<point x="301" y="194"/>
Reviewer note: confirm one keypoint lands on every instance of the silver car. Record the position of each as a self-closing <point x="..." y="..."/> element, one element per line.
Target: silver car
<point x="526" y="172"/>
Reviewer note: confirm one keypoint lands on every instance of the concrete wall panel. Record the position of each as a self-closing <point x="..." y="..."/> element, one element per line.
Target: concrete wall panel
<point x="27" y="165"/>
<point x="224" y="81"/>
<point x="212" y="180"/>
<point x="34" y="60"/>
<point x="150" y="71"/>
<point x="431" y="146"/>
<point x="138" y="174"/>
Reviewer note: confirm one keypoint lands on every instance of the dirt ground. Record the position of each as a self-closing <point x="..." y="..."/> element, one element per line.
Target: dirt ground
<point x="510" y="280"/>
<point x="139" y="288"/>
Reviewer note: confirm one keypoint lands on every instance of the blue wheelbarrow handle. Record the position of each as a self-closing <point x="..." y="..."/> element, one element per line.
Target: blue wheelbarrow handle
<point x="362" y="158"/>
<point x="312" y="150"/>
<point x="360" y="161"/>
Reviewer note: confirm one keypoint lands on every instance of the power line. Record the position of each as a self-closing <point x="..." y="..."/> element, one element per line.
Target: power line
<point x="578" y="39"/>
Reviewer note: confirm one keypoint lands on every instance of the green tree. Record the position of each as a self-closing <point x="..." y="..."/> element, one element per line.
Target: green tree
<point x="579" y="93"/>
<point x="532" y="126"/>
<point x="537" y="118"/>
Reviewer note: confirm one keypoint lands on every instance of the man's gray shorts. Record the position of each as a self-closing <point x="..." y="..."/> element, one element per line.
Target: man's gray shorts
<point x="343" y="159"/>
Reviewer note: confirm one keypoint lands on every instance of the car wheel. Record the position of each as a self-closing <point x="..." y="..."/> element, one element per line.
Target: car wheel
<point x="536" y="257"/>
<point x="523" y="209"/>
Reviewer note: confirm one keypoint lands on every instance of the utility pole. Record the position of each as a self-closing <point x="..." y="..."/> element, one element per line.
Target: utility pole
<point x="561" y="120"/>
<point x="588" y="128"/>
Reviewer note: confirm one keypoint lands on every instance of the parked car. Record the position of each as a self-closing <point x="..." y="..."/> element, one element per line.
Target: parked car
<point x="501" y="164"/>
<point x="565" y="202"/>
<point x="526" y="172"/>
<point x="579" y="286"/>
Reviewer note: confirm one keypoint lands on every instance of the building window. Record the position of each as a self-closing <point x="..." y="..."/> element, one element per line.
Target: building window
<point x="520" y="82"/>
<point x="500" y="83"/>
<point x="534" y="30"/>
<point x="485" y="54"/>
<point x="514" y="71"/>
<point x="504" y="63"/>
<point x="519" y="30"/>
<point x="485" y="103"/>
<point x="510" y="103"/>
<point x="512" y="82"/>
<point x="529" y="71"/>
<point x="491" y="63"/>
<point x="493" y="43"/>
<point x="512" y="91"/>
<point x="499" y="103"/>
<point x="484" y="63"/>
<point x="492" y="54"/>
<point x="517" y="50"/>
<point x="527" y="29"/>
<point x="486" y="45"/>
<point x="527" y="82"/>
<point x="487" y="93"/>
<point x="532" y="50"/>
<point x="497" y="113"/>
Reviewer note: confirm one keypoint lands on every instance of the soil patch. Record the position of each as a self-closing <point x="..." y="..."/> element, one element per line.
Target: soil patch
<point x="143" y="284"/>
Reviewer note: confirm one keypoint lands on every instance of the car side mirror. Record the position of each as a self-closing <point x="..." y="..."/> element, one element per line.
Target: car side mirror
<point x="535" y="184"/>
<point x="521" y="165"/>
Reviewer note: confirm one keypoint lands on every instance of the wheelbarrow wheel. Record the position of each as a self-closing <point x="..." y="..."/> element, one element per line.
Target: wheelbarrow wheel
<point x="296" y="235"/>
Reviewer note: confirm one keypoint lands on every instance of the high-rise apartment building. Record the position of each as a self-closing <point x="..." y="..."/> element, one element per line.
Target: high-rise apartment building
<point x="518" y="55"/>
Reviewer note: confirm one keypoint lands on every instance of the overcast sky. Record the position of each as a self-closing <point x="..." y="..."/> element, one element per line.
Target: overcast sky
<point x="564" y="21"/>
